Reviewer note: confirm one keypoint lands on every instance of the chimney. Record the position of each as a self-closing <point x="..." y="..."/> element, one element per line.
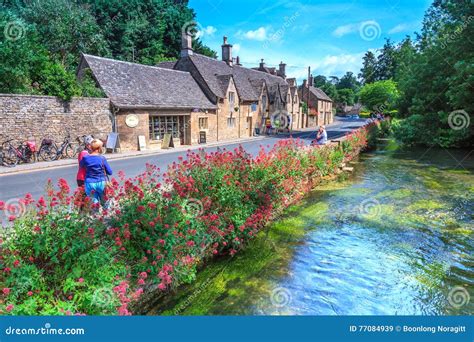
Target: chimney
<point x="186" y="44"/>
<point x="282" y="70"/>
<point x="262" y="65"/>
<point x="305" y="83"/>
<point x="227" y="52"/>
<point x="237" y="61"/>
<point x="311" y="80"/>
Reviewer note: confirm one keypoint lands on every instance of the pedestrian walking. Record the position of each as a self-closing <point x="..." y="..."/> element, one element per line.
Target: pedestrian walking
<point x="81" y="172"/>
<point x="97" y="172"/>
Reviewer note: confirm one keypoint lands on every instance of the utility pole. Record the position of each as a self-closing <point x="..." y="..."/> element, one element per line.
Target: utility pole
<point x="307" y="97"/>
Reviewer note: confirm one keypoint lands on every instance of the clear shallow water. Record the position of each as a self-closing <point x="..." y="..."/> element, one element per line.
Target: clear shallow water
<point x="395" y="238"/>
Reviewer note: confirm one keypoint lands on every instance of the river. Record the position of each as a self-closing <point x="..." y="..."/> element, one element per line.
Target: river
<point x="395" y="237"/>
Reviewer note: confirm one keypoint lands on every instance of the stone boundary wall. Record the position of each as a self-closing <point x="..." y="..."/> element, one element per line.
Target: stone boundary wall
<point x="30" y="116"/>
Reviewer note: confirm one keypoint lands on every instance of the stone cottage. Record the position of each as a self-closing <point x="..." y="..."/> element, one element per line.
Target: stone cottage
<point x="196" y="99"/>
<point x="319" y="104"/>
<point x="150" y="101"/>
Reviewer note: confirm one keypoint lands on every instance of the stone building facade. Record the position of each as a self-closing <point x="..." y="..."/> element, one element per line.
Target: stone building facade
<point x="28" y="116"/>
<point x="320" y="106"/>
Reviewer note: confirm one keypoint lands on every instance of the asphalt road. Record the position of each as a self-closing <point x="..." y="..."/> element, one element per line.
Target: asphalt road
<point x="13" y="186"/>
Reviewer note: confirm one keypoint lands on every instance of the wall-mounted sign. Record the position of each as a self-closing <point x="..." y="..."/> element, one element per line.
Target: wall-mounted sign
<point x="253" y="107"/>
<point x="202" y="137"/>
<point x="131" y="120"/>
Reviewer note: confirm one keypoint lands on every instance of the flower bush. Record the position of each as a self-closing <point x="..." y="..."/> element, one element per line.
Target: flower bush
<point x="64" y="257"/>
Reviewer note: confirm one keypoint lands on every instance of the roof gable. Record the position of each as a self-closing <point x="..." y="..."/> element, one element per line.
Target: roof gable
<point x="246" y="80"/>
<point x="134" y="85"/>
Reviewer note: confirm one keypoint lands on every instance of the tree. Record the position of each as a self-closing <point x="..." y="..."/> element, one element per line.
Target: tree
<point x="386" y="63"/>
<point x="26" y="67"/>
<point x="65" y="29"/>
<point x="47" y="37"/>
<point x="346" y="96"/>
<point x="319" y="81"/>
<point x="330" y="90"/>
<point x="145" y="31"/>
<point x="379" y="96"/>
<point x="348" y="81"/>
<point x="369" y="67"/>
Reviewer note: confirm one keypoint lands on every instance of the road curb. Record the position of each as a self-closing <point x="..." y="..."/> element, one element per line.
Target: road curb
<point x="110" y="157"/>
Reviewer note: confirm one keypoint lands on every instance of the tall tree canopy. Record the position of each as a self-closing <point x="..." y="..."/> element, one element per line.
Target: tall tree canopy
<point x="435" y="77"/>
<point x="51" y="34"/>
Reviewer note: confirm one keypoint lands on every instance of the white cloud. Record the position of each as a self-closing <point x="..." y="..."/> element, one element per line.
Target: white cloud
<point x="207" y="31"/>
<point x="401" y="28"/>
<point x="259" y="34"/>
<point x="345" y="29"/>
<point x="371" y="26"/>
<point x="329" y="65"/>
<point x="236" y="48"/>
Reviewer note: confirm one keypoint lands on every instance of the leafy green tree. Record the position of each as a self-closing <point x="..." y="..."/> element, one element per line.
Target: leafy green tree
<point x="348" y="81"/>
<point x="26" y="67"/>
<point x="346" y="96"/>
<point x="369" y="67"/>
<point x="386" y="62"/>
<point x="145" y="31"/>
<point x="319" y="81"/>
<point x="380" y="95"/>
<point x="330" y="90"/>
<point x="65" y="29"/>
<point x="55" y="80"/>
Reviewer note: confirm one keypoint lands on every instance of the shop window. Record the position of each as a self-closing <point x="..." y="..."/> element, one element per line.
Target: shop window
<point x="203" y="123"/>
<point x="159" y="125"/>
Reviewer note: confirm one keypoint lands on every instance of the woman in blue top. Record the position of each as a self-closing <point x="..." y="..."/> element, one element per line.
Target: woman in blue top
<point x="97" y="171"/>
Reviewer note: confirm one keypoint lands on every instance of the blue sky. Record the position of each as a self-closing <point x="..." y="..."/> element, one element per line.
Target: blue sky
<point x="329" y="36"/>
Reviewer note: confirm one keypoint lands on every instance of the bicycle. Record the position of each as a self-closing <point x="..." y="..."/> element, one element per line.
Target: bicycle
<point x="11" y="155"/>
<point x="48" y="150"/>
<point x="82" y="141"/>
<point x="67" y="149"/>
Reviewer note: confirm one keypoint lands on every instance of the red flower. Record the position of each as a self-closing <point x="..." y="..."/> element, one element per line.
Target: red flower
<point x="9" y="307"/>
<point x="80" y="280"/>
<point x="30" y="293"/>
<point x="6" y="291"/>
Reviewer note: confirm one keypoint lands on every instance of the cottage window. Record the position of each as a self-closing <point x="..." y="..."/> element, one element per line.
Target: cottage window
<point x="231" y="101"/>
<point x="203" y="123"/>
<point x="159" y="125"/>
<point x="230" y="122"/>
<point x="264" y="103"/>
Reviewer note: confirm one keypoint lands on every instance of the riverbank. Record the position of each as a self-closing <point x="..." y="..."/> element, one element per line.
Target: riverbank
<point x="395" y="237"/>
<point x="158" y="228"/>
